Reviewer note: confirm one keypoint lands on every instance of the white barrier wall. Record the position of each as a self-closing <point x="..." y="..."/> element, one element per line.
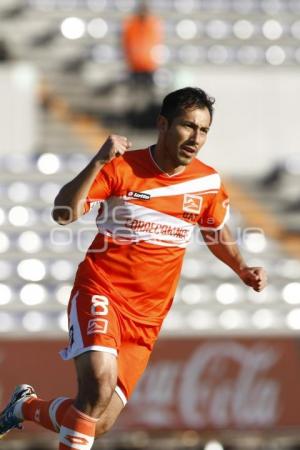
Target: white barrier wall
<point x="18" y="108"/>
<point x="257" y="116"/>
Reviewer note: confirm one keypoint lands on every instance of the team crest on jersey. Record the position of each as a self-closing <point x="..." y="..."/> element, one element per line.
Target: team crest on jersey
<point x="138" y="195"/>
<point x="192" y="203"/>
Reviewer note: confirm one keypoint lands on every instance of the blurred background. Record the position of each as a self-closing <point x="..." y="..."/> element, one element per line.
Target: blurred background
<point x="225" y="373"/>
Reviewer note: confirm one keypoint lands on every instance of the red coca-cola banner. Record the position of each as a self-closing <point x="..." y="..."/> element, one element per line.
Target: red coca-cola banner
<point x="201" y="384"/>
<point x="209" y="384"/>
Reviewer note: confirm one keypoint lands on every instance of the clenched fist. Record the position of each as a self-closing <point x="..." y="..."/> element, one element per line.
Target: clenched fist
<point x="114" y="146"/>
<point x="254" y="277"/>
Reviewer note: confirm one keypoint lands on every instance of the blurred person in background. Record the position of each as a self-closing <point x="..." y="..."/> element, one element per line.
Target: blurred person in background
<point x="142" y="32"/>
<point x="141" y="35"/>
<point x="150" y="200"/>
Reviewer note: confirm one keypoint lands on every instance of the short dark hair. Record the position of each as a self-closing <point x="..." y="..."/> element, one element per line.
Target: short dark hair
<point x="189" y="97"/>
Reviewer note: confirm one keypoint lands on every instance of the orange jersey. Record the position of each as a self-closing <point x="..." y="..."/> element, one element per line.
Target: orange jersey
<point x="145" y="222"/>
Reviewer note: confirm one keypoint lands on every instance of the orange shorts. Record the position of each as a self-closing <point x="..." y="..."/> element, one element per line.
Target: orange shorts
<point x="96" y="324"/>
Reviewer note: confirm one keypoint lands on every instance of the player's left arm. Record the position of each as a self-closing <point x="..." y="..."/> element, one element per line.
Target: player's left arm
<point x="222" y="244"/>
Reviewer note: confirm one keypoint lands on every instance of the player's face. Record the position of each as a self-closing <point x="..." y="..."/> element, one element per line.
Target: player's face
<point x="185" y="135"/>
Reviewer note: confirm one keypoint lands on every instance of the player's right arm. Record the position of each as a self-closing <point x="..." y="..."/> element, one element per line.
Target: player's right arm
<point x="69" y="204"/>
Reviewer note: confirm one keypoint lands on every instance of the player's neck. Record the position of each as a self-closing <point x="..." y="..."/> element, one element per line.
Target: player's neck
<point x="164" y="163"/>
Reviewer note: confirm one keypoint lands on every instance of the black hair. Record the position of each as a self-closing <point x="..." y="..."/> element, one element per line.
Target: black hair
<point x="189" y="97"/>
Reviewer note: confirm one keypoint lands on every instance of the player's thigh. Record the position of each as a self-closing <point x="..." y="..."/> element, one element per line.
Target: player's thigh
<point x="110" y="415"/>
<point x="96" y="366"/>
<point x="97" y="377"/>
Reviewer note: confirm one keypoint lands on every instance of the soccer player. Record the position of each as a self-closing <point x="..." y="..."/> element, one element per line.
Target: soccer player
<point x="150" y="200"/>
